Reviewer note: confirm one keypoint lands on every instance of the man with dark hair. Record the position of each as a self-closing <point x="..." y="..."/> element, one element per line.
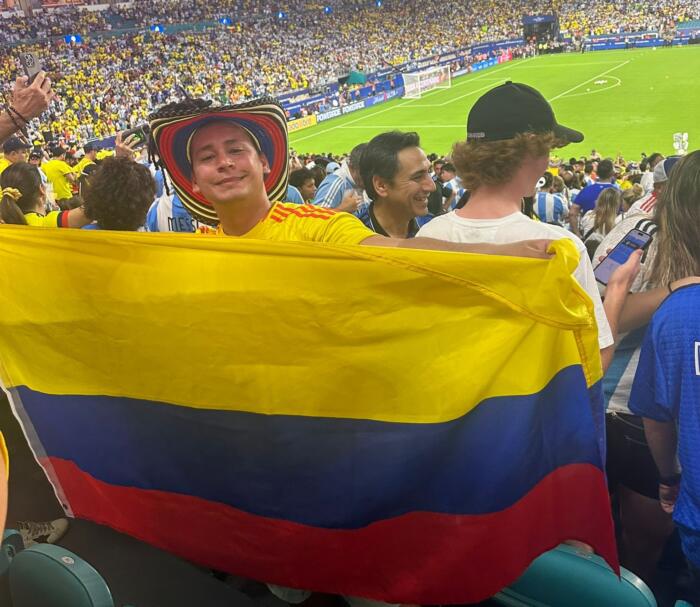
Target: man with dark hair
<point x="396" y="174"/>
<point x="14" y="150"/>
<point x="340" y="190"/>
<point x="452" y="186"/>
<point x="119" y="195"/>
<point x="303" y="180"/>
<point x="89" y="158"/>
<point x="59" y="173"/>
<point x="441" y="194"/>
<point x="647" y="180"/>
<point x="585" y="201"/>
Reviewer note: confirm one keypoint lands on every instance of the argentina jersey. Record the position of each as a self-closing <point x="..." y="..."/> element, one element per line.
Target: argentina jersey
<point x="550" y="208"/>
<point x="167" y="214"/>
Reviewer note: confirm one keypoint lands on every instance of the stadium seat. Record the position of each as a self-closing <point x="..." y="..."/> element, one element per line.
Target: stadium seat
<point x="46" y="575"/>
<point x="567" y="577"/>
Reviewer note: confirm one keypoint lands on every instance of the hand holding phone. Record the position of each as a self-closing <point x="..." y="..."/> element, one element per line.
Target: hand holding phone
<point x="634" y="240"/>
<point x="31" y="64"/>
<point x="138" y="135"/>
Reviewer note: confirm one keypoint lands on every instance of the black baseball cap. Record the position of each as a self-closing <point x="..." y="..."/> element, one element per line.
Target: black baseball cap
<point x="15" y="144"/>
<point x="513" y="108"/>
<point x="57" y="150"/>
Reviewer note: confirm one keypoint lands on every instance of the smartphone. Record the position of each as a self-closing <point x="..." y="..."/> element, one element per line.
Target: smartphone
<point x="106" y="143"/>
<point x="141" y="132"/>
<point x="634" y="240"/>
<point x="31" y="64"/>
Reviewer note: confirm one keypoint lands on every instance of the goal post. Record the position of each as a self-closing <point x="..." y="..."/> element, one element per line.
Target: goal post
<point x="417" y="83"/>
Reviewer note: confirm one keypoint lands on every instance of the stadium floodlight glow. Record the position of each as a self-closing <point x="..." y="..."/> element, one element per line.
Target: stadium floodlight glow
<point x="225" y="21"/>
<point x="74" y="39"/>
<point x="327" y="10"/>
<point x="157" y="28"/>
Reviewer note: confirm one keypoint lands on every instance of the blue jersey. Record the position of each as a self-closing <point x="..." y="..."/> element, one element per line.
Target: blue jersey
<point x="332" y="189"/>
<point x="667" y="389"/>
<point x="587" y="196"/>
<point x="160" y="182"/>
<point x="366" y="215"/>
<point x="294" y="195"/>
<point x="168" y="214"/>
<point x="550" y="208"/>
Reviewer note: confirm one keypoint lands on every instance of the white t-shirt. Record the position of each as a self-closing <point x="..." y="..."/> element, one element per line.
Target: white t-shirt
<point x="647" y="181"/>
<point x="512" y="228"/>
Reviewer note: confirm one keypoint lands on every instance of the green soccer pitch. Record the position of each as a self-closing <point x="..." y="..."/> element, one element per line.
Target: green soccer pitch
<point x="623" y="101"/>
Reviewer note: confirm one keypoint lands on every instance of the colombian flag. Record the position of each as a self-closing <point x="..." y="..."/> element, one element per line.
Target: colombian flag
<point x="402" y="425"/>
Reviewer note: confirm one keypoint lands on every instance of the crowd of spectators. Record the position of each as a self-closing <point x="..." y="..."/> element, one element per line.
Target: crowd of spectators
<point x="107" y="84"/>
<point x="625" y="16"/>
<point x="48" y="24"/>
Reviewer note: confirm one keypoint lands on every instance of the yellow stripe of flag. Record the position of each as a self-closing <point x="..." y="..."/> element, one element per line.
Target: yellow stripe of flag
<point x="286" y="328"/>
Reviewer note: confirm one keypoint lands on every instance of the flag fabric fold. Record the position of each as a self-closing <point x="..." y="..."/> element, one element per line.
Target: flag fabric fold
<point x="409" y="426"/>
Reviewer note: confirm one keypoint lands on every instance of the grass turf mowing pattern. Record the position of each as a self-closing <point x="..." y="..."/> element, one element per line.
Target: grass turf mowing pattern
<point x="623" y="101"/>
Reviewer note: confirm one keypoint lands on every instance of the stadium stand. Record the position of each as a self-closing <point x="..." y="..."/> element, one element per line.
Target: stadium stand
<point x="100" y="93"/>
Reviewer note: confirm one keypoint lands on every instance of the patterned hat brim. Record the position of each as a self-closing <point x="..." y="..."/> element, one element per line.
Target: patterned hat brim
<point x="263" y="118"/>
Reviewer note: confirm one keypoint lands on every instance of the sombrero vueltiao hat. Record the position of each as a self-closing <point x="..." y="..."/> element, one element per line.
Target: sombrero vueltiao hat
<point x="173" y="126"/>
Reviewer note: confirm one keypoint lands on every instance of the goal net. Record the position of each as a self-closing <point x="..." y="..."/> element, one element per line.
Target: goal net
<point x="417" y="83"/>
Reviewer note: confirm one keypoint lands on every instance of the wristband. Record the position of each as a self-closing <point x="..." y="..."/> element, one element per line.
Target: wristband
<point x="18" y="126"/>
<point x="670" y="481"/>
<point x="22" y="118"/>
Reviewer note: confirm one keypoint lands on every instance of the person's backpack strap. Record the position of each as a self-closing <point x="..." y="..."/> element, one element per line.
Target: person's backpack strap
<point x="588" y="234"/>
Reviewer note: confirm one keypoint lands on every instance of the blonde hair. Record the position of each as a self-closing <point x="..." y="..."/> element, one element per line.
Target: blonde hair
<point x="607" y="206"/>
<point x="631" y="195"/>
<point x="495" y="162"/>
<point x="558" y="185"/>
<point x="678" y="216"/>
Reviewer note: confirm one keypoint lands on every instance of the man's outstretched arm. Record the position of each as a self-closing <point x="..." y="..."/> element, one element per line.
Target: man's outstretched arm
<point x="525" y="248"/>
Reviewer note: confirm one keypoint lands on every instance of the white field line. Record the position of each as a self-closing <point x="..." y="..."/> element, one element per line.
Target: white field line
<point x="402" y="126"/>
<point x="560" y="65"/>
<point x="599" y="90"/>
<point x="573" y="88"/>
<point x="365" y="116"/>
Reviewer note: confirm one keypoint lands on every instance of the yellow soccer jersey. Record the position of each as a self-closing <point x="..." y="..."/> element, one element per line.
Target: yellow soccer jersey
<point x="54" y="219"/>
<point x="80" y="167"/>
<point x="56" y="171"/>
<point x="308" y="223"/>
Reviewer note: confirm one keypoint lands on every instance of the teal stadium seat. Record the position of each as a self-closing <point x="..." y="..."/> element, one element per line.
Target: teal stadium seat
<point x="46" y="575"/>
<point x="51" y="576"/>
<point x="568" y="577"/>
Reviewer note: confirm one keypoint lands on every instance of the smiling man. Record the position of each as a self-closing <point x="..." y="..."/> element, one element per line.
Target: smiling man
<point x="396" y="174"/>
<point x="229" y="166"/>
